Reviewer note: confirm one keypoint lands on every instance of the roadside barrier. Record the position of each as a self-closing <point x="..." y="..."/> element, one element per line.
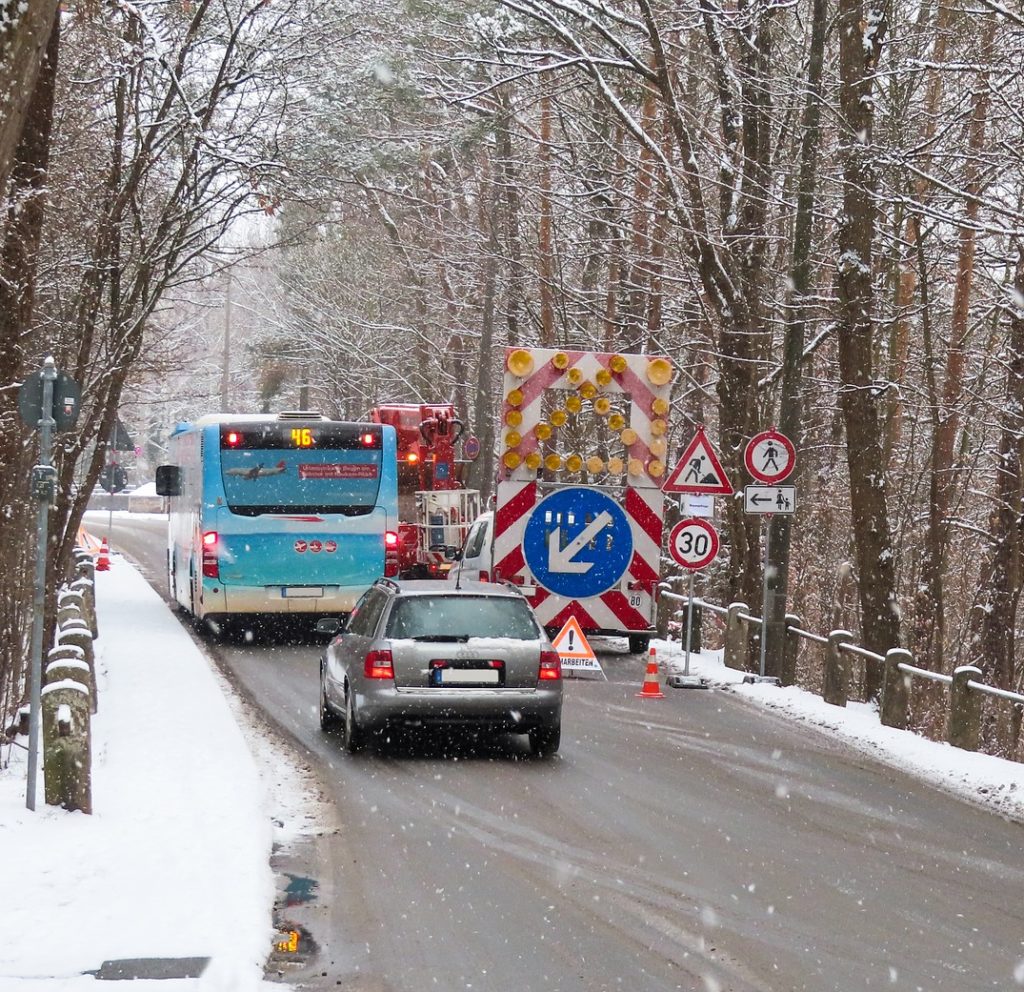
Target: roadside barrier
<point x="966" y="691"/>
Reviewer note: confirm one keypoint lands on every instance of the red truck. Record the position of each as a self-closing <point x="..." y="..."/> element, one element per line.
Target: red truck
<point x="434" y="509"/>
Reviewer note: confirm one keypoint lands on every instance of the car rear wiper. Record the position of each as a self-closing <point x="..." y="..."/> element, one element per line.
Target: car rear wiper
<point x="460" y="638"/>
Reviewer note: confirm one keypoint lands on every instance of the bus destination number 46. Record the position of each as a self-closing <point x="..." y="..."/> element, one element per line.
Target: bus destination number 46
<point x="693" y="543"/>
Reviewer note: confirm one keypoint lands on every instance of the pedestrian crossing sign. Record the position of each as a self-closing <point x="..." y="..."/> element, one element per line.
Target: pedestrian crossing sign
<point x="698" y="470"/>
<point x="574" y="649"/>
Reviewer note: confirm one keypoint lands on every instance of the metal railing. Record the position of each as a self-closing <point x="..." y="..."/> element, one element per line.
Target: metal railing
<point x="964" y="723"/>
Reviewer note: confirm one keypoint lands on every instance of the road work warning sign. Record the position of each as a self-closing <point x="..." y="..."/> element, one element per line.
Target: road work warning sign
<point x="575" y="651"/>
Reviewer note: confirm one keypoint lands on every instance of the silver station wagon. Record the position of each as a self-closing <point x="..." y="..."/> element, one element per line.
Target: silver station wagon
<point x="430" y="654"/>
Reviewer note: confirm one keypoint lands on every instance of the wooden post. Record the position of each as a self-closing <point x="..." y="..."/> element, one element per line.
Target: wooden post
<point x="965" y="709"/>
<point x="736" y="653"/>
<point x="790" y="651"/>
<point x="77" y="632"/>
<point x="836" y="686"/>
<point x="895" y="689"/>
<point x="86" y="589"/>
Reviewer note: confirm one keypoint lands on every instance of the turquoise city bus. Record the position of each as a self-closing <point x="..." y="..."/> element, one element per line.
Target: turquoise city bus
<point x="278" y="514"/>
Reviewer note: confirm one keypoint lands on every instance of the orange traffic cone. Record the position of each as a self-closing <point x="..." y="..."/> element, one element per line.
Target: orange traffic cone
<point x="103" y="560"/>
<point x="651" y="689"/>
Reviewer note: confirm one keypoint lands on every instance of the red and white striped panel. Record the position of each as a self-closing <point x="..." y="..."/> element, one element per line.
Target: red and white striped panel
<point x="630" y="605"/>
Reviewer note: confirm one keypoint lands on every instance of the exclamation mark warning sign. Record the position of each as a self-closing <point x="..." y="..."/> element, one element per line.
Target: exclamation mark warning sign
<point x="573" y="649"/>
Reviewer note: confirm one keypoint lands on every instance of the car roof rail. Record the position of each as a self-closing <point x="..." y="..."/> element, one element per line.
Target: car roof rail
<point x="508" y="583"/>
<point x="389" y="583"/>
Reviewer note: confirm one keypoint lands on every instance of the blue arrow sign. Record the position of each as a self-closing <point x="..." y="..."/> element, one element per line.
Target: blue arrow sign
<point x="578" y="542"/>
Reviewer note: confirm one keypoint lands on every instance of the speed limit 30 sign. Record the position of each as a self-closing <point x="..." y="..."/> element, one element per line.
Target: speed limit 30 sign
<point x="693" y="543"/>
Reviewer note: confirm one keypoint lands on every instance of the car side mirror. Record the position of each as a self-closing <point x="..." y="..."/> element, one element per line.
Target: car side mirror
<point x="452" y="553"/>
<point x="168" y="480"/>
<point x="330" y="625"/>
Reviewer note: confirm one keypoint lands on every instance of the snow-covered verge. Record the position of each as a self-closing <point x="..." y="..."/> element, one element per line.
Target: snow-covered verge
<point x="992" y="782"/>
<point x="174" y="862"/>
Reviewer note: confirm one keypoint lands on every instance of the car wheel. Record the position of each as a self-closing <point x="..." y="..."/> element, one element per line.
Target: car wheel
<point x="328" y="718"/>
<point x="638" y="643"/>
<point x="353" y="736"/>
<point x="545" y="740"/>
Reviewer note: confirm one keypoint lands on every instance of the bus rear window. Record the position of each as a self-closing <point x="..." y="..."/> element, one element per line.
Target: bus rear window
<point x="288" y="480"/>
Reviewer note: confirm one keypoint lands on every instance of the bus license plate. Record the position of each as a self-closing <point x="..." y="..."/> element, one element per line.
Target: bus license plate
<point x="308" y="592"/>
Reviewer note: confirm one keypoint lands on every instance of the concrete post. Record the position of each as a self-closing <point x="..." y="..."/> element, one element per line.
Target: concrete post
<point x="737" y="645"/>
<point x="77" y="632"/>
<point x="895" y="689"/>
<point x="87" y="590"/>
<point x="67" y="763"/>
<point x="790" y="650"/>
<point x="836" y="685"/>
<point x="965" y="709"/>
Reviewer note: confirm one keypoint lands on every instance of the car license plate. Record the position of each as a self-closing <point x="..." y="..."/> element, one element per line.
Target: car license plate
<point x="470" y="676"/>
<point x="299" y="592"/>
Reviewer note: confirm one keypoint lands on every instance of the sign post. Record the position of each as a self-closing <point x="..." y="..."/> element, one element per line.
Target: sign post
<point x="770" y="458"/>
<point x="694" y="544"/>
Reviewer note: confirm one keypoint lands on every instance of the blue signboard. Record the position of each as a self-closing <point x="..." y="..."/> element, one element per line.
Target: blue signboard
<point x="578" y="542"/>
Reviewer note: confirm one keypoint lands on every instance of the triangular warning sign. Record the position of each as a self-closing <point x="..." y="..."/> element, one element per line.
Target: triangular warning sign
<point x="574" y="649"/>
<point x="698" y="470"/>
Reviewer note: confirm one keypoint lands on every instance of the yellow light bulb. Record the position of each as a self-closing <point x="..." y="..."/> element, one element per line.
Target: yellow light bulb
<point x="573" y="404"/>
<point x="660" y="406"/>
<point x="659" y="371"/>
<point x="616" y="421"/>
<point x="636" y="466"/>
<point x="629" y="436"/>
<point x="595" y="464"/>
<point x="658" y="447"/>
<point x="558" y="418"/>
<point x="602" y="405"/>
<point x="513" y="418"/>
<point x="533" y="461"/>
<point x="658" y="427"/>
<point x="573" y="463"/>
<point x="655" y="468"/>
<point x="560" y="360"/>
<point x="588" y="390"/>
<point x="520" y="362"/>
<point x="553" y="462"/>
<point x="603" y="377"/>
<point x="618" y="364"/>
<point x="515" y="398"/>
<point x="513" y="438"/>
<point x="575" y="376"/>
<point x="542" y="431"/>
<point x="511" y="459"/>
<point x="615" y="466"/>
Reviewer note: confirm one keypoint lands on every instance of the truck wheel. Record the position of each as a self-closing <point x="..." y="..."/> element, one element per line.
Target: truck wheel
<point x="638" y="643"/>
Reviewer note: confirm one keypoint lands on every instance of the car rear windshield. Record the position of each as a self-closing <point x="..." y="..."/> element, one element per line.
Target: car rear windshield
<point x="456" y="618"/>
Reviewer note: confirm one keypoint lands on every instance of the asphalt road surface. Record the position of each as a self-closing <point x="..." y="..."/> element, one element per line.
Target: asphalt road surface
<point x="691" y="843"/>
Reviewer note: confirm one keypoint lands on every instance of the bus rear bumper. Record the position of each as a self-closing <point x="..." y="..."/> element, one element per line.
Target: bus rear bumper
<point x="329" y="600"/>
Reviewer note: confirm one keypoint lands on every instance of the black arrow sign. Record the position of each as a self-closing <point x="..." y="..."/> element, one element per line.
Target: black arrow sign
<point x="760" y="499"/>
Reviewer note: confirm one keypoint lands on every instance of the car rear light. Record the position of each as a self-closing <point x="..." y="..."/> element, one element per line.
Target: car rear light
<point x="379" y="665"/>
<point x="550" y="666"/>
<point x="211" y="566"/>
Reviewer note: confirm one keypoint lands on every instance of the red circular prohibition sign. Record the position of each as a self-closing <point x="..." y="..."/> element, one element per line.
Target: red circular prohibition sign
<point x="777" y="454"/>
<point x="693" y="543"/>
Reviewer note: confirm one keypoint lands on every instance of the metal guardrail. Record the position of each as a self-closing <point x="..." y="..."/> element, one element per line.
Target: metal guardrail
<point x="964" y="717"/>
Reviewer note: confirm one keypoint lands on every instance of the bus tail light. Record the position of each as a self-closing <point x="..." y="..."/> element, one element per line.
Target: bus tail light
<point x="211" y="565"/>
<point x="379" y="665"/>
<point x="390" y="554"/>
<point x="550" y="666"/>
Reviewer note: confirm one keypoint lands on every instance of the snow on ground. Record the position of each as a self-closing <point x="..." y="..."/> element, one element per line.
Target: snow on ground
<point x="991" y="782"/>
<point x="174" y="862"/>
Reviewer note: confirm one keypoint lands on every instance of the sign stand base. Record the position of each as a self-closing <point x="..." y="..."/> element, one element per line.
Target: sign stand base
<point x="687" y="682"/>
<point x="762" y="680"/>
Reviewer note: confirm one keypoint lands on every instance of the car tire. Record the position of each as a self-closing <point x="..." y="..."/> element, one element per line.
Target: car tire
<point x="352" y="734"/>
<point x="544" y="741"/>
<point x="638" y="643"/>
<point x="328" y="718"/>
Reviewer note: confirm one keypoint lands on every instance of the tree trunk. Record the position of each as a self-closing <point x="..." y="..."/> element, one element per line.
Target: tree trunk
<point x="860" y="39"/>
